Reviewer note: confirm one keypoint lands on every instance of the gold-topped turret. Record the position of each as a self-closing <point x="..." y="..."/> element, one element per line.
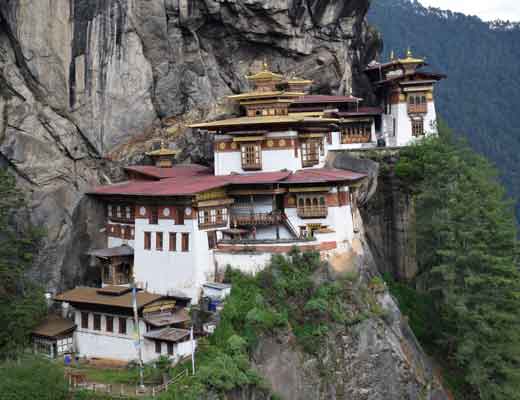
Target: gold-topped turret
<point x="163" y="156"/>
<point x="410" y="59"/>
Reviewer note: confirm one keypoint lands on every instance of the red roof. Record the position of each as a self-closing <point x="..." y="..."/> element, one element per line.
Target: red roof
<point x="323" y="175"/>
<point x="258" y="178"/>
<point x="173" y="172"/>
<point x="314" y="99"/>
<point x="190" y="185"/>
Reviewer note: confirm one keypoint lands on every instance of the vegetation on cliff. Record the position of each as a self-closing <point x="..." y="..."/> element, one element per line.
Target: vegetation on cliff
<point x="22" y="302"/>
<point x="468" y="265"/>
<point x="295" y="296"/>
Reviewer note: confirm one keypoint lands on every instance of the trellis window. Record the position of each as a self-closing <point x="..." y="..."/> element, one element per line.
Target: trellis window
<point x="312" y="207"/>
<point x="417" y="127"/>
<point x="311" y="152"/>
<point x="158" y="241"/>
<point x="213" y="217"/>
<point x="417" y="103"/>
<point x="251" y="156"/>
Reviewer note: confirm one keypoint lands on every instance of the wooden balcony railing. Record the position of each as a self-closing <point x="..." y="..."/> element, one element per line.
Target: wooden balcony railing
<point x="253" y="219"/>
<point x="119" y="279"/>
<point x="417" y="108"/>
<point x="313" y="212"/>
<point x="251" y="166"/>
<point x="350" y="139"/>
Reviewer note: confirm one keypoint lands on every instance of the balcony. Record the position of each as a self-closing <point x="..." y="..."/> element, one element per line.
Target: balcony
<point x="251" y="166"/>
<point x="417" y="108"/>
<point x="313" y="212"/>
<point x="254" y="219"/>
<point x="118" y="279"/>
<point x="351" y="139"/>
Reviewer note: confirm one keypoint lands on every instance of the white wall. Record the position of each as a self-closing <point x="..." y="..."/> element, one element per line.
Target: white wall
<point x="103" y="344"/>
<point x="180" y="350"/>
<point x="165" y="271"/>
<point x="404" y="136"/>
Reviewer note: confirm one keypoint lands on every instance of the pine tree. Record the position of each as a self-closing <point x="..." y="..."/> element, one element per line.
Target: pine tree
<point x="21" y="301"/>
<point x="467" y="251"/>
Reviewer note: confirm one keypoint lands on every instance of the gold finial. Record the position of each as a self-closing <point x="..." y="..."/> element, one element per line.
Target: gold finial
<point x="265" y="65"/>
<point x="409" y="53"/>
<point x="392" y="56"/>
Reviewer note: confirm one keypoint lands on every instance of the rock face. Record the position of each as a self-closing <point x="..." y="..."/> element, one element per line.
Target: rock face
<point x="376" y="358"/>
<point x="85" y="80"/>
<point x="389" y="216"/>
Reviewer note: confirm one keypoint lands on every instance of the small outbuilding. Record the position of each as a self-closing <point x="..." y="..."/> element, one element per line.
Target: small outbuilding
<point x="54" y="337"/>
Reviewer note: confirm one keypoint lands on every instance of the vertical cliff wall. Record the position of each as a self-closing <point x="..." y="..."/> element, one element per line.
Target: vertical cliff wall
<point x="84" y="80"/>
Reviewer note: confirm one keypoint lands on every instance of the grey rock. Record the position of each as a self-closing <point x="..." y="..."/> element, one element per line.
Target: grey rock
<point x="87" y="81"/>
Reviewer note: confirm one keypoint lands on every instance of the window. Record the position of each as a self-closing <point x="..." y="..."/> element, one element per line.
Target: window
<point x="359" y="132"/>
<point x="212" y="239"/>
<point x="213" y="217"/>
<point x="251" y="156"/>
<point x="109" y="324"/>
<point x="84" y="320"/>
<point x="122" y="326"/>
<point x="310" y="152"/>
<point x="109" y="210"/>
<point x="180" y="216"/>
<point x="158" y="347"/>
<point x="312" y="206"/>
<point x="97" y="322"/>
<point x="158" y="241"/>
<point x="185" y="242"/>
<point x="417" y="127"/>
<point x="170" y="348"/>
<point x="417" y="103"/>
<point x="147" y="240"/>
<point x="173" y="241"/>
<point x="154" y="216"/>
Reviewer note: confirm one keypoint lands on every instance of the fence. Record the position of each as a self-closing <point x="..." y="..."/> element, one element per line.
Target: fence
<point x="77" y="382"/>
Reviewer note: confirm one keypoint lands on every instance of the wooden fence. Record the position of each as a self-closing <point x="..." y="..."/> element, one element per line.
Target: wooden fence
<point x="77" y="382"/>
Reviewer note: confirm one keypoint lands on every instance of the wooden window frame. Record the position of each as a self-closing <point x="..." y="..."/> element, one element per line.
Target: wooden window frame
<point x="109" y="323"/>
<point x="159" y="241"/>
<point x="185" y="242"/>
<point x="417" y="103"/>
<point x="417" y="127"/>
<point x="122" y="326"/>
<point x="251" y="156"/>
<point x="170" y="348"/>
<point x="311" y="150"/>
<point x="213" y="217"/>
<point x="179" y="216"/>
<point x="212" y="240"/>
<point x="148" y="240"/>
<point x="172" y="238"/>
<point x="312" y="206"/>
<point x="84" y="320"/>
<point x="154" y="216"/>
<point x="158" y="347"/>
<point x="97" y="322"/>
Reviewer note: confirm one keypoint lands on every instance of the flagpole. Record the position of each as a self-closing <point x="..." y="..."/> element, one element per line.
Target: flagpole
<point x="137" y="330"/>
<point x="192" y="351"/>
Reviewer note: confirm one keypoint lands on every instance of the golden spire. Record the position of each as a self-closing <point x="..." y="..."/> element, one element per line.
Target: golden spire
<point x="409" y="53"/>
<point x="392" y="56"/>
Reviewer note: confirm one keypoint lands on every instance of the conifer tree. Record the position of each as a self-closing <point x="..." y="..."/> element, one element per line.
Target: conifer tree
<point x="467" y="252"/>
<point x="21" y="301"/>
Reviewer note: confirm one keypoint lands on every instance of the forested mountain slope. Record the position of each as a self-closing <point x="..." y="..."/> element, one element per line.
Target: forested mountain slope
<point x="480" y="97"/>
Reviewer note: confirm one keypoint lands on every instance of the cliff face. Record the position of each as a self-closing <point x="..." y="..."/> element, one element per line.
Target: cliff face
<point x="86" y="80"/>
<point x="387" y="210"/>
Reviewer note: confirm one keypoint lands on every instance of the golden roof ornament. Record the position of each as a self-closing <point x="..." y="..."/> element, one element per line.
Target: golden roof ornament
<point x="410" y="59"/>
<point x="392" y="56"/>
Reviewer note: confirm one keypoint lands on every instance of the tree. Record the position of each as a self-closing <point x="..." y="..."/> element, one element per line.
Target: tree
<point x="32" y="378"/>
<point x="22" y="303"/>
<point x="468" y="260"/>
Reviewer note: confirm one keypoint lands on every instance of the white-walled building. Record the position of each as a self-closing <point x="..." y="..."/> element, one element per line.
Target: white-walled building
<point x="106" y="327"/>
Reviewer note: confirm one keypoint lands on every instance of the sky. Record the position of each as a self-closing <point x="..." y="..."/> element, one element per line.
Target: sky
<point x="485" y="9"/>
